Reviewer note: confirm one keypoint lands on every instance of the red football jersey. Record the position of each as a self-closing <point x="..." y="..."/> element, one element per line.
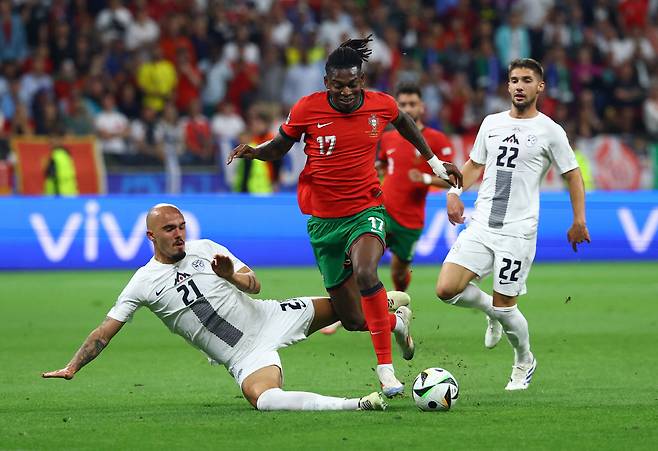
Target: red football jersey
<point x="339" y="178"/>
<point x="405" y="200"/>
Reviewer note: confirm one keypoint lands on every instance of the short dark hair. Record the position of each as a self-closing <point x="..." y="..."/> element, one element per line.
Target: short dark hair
<point x="408" y="88"/>
<point x="351" y="53"/>
<point x="526" y="63"/>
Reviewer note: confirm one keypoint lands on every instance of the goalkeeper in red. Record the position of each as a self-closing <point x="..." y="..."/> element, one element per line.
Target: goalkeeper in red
<point x="339" y="188"/>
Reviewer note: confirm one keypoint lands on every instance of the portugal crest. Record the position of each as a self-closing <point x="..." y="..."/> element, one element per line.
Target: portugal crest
<point x="374" y="125"/>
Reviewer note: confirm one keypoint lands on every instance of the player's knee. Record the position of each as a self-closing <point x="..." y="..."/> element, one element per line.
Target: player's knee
<point x="251" y="393"/>
<point x="354" y="323"/>
<point x="446" y="292"/>
<point x="366" y="277"/>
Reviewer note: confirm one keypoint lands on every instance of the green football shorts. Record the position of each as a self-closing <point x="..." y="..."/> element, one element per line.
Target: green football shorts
<point x="331" y="239"/>
<point x="401" y="240"/>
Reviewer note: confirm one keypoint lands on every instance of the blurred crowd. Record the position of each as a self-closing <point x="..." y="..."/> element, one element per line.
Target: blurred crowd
<point x="170" y="80"/>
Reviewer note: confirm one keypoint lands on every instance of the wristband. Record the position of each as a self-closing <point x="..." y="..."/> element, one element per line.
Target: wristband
<point x="453" y="190"/>
<point x="427" y="179"/>
<point x="438" y="168"/>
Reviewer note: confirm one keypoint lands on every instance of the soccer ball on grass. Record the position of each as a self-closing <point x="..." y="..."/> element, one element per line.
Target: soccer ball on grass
<point x="435" y="389"/>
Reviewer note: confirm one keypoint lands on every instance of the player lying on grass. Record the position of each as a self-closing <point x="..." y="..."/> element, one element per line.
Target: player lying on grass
<point x="198" y="289"/>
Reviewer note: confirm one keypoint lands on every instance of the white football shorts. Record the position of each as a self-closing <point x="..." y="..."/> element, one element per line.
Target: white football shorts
<point x="483" y="252"/>
<point x="287" y="323"/>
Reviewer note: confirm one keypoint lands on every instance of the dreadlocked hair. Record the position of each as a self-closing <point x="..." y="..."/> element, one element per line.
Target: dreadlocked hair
<point x="351" y="53"/>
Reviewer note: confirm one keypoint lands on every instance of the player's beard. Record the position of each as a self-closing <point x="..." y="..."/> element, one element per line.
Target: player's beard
<point x="178" y="256"/>
<point x="525" y="104"/>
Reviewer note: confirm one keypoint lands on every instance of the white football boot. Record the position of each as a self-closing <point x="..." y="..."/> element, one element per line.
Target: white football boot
<point x="374" y="401"/>
<point x="403" y="338"/>
<point x="397" y="299"/>
<point x="493" y="334"/>
<point x="521" y="375"/>
<point x="391" y="386"/>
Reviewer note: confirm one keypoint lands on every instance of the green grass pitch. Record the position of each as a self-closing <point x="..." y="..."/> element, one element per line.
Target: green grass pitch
<point x="595" y="386"/>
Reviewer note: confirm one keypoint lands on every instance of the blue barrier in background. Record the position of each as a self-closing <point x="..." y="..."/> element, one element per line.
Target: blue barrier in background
<point x="108" y="232"/>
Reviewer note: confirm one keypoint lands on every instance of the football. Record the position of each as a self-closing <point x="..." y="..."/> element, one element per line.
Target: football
<point x="435" y="389"/>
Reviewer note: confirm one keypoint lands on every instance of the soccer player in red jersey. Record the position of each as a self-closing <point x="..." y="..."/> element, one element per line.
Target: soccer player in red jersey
<point x="339" y="188"/>
<point x="407" y="179"/>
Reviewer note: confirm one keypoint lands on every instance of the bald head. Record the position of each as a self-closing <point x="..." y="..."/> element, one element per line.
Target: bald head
<point x="157" y="214"/>
<point x="165" y="227"/>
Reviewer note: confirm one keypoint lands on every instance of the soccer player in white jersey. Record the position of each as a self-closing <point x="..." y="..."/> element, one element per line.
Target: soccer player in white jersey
<point x="515" y="148"/>
<point x="198" y="289"/>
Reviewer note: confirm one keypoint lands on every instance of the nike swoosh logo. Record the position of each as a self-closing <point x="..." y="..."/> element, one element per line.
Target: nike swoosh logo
<point x="493" y="136"/>
<point x="157" y="293"/>
<point x="505" y="283"/>
<point x="324" y="125"/>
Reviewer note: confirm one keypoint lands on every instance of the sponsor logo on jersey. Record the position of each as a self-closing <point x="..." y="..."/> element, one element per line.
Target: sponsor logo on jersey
<point x="180" y="276"/>
<point x="159" y="292"/>
<point x="511" y="139"/>
<point x="324" y="125"/>
<point x="198" y="264"/>
<point x="374" y="124"/>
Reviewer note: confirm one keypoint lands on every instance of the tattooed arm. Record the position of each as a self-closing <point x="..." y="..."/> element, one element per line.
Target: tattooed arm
<point x="93" y="345"/>
<point x="244" y="279"/>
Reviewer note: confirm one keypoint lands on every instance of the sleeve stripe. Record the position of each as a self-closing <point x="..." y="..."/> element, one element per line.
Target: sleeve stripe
<point x="285" y="135"/>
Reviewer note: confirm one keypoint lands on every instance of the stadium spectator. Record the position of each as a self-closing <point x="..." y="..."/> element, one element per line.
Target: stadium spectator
<point x="241" y="48"/>
<point x="112" y="128"/>
<point x="169" y="136"/>
<point x="143" y="138"/>
<point x="272" y="75"/>
<point x="114" y="21"/>
<point x="189" y="80"/>
<point x="512" y="39"/>
<point x="302" y="79"/>
<point x="157" y="79"/>
<point x="13" y="41"/>
<point x="78" y="120"/>
<point x="34" y="81"/>
<point x="198" y="143"/>
<point x="128" y="101"/>
<point x="143" y="31"/>
<point x="227" y="123"/>
<point x="47" y="120"/>
<point x="173" y="39"/>
<point x="217" y="77"/>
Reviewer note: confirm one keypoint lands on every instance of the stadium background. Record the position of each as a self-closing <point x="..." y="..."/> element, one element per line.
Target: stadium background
<point x="148" y="97"/>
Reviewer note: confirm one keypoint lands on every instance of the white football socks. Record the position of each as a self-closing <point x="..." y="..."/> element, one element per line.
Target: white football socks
<point x="516" y="328"/>
<point x="277" y="399"/>
<point x="473" y="297"/>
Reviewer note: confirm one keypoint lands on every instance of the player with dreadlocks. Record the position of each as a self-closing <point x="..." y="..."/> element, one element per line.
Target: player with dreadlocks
<point x="339" y="188"/>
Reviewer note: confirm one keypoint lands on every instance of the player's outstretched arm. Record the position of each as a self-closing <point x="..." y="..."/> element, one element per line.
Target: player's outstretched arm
<point x="578" y="232"/>
<point x="97" y="340"/>
<point x="273" y="149"/>
<point x="244" y="279"/>
<point x="409" y="131"/>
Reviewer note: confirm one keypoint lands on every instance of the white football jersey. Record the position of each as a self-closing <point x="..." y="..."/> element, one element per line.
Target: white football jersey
<point x="516" y="153"/>
<point x="205" y="309"/>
